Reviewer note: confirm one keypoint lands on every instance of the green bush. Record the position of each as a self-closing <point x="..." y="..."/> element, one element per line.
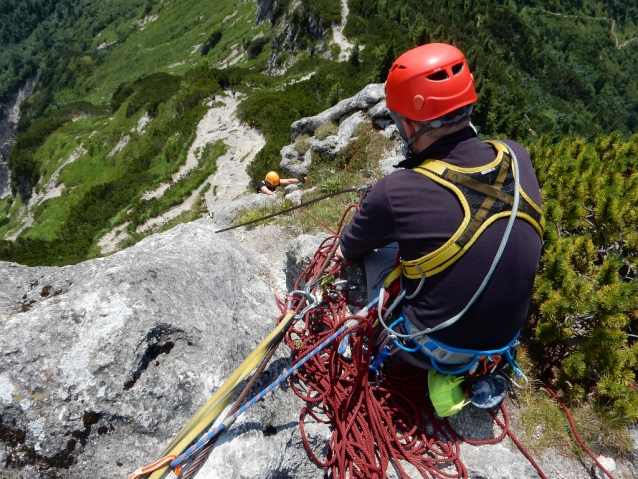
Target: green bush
<point x="255" y="47"/>
<point x="151" y="91"/>
<point x="585" y="302"/>
<point x="212" y="40"/>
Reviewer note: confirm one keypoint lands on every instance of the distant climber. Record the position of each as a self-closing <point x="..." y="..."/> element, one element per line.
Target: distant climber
<point x="233" y="92"/>
<point x="269" y="185"/>
<point x="445" y="214"/>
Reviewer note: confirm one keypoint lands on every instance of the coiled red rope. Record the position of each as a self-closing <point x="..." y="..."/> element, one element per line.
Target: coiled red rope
<point x="373" y="425"/>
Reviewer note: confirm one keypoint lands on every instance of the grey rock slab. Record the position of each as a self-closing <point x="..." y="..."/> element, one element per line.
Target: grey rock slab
<point x="290" y="188"/>
<point x="96" y="380"/>
<point x="296" y="196"/>
<point x="348" y="125"/>
<point x="299" y="254"/>
<point x="379" y="111"/>
<point x="227" y="213"/>
<point x="267" y="443"/>
<point x="367" y="97"/>
<point x="294" y="164"/>
<point x="608" y="463"/>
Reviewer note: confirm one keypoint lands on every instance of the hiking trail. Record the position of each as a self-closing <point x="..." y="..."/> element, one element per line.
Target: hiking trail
<point x="227" y="184"/>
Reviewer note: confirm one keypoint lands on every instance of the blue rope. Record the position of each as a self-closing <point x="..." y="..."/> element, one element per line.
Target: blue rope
<point x="219" y="429"/>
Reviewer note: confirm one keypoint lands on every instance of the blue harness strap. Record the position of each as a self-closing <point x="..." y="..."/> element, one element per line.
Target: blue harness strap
<point x="450" y="360"/>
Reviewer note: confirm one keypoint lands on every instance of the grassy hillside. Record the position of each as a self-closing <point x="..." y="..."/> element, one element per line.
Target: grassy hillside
<point x="80" y="128"/>
<point x="542" y="68"/>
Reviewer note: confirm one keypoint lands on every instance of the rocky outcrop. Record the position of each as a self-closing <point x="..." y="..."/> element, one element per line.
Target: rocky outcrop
<point x="9" y="117"/>
<point x="227" y="213"/>
<point x="264" y="9"/>
<point x="104" y="361"/>
<point x="367" y="105"/>
<point x="366" y="98"/>
<point x="296" y="196"/>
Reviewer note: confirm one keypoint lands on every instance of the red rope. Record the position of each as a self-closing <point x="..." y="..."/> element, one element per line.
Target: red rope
<point x="318" y="222"/>
<point x="576" y="435"/>
<point x="373" y="425"/>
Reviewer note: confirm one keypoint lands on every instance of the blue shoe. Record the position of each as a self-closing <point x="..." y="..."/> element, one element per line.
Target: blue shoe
<point x="489" y="391"/>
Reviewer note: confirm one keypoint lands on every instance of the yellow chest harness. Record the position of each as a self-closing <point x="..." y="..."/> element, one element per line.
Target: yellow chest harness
<point x="486" y="194"/>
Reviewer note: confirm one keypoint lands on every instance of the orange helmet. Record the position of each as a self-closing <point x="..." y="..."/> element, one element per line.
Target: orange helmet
<point x="272" y="178"/>
<point x="428" y="82"/>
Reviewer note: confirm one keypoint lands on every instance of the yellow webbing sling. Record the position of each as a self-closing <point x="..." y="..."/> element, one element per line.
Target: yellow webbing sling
<point x="489" y="203"/>
<point x="216" y="404"/>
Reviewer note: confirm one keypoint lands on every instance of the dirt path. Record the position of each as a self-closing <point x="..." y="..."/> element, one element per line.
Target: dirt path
<point x="585" y="17"/>
<point x="231" y="180"/>
<point x="337" y="34"/>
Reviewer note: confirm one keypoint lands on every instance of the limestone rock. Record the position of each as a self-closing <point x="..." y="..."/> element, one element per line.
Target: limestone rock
<point x="363" y="100"/>
<point x="225" y="215"/>
<point x="104" y="361"/>
<point x="348" y="125"/>
<point x="380" y="111"/>
<point x="290" y="188"/>
<point x="297" y="196"/>
<point x="299" y="254"/>
<point x="349" y="113"/>
<point x="294" y="164"/>
<point x="263" y="10"/>
<point x="608" y="463"/>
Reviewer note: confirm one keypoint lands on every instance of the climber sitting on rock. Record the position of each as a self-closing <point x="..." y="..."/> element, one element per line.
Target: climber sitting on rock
<point x="450" y="211"/>
<point x="269" y="185"/>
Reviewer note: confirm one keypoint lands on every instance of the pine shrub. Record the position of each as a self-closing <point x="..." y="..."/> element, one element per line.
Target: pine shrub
<point x="585" y="301"/>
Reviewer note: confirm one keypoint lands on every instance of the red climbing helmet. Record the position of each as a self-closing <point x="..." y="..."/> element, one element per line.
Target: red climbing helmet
<point x="428" y="82"/>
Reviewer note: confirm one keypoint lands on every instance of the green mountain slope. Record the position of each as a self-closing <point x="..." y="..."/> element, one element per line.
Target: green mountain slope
<point x="73" y="113"/>
<point x="541" y="67"/>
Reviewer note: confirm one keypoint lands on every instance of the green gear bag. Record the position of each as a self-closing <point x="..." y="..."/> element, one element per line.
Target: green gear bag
<point x="447" y="393"/>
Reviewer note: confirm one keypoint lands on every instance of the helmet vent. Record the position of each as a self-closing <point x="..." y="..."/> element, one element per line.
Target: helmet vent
<point x="456" y="69"/>
<point x="439" y="76"/>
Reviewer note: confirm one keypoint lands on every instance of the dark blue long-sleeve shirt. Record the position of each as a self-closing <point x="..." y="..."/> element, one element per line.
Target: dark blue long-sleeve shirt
<point x="422" y="215"/>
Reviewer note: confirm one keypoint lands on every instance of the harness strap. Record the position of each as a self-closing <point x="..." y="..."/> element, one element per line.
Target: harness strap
<point x="528" y="207"/>
<point x="481" y="214"/>
<point x="476" y="220"/>
<point x="451" y="360"/>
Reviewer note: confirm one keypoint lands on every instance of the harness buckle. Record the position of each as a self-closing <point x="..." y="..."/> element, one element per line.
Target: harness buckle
<point x="485" y="365"/>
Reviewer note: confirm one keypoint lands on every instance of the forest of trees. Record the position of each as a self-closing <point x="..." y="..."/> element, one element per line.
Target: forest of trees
<point x="33" y="32"/>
